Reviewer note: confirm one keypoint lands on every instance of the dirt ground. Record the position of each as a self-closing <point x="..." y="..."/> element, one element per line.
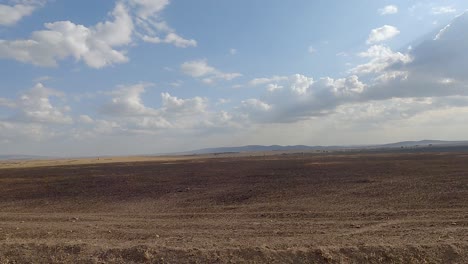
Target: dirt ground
<point x="297" y="208"/>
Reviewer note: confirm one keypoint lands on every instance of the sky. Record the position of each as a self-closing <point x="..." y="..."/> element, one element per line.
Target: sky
<point x="129" y="77"/>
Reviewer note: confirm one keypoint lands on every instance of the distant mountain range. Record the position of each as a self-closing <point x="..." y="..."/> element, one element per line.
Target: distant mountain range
<point x="261" y="148"/>
<point x="424" y="143"/>
<point x="279" y="148"/>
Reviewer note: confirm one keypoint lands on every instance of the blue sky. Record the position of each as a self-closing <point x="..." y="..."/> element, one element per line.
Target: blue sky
<point x="151" y="76"/>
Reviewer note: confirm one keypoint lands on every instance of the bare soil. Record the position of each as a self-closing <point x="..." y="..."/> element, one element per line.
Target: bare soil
<point x="298" y="208"/>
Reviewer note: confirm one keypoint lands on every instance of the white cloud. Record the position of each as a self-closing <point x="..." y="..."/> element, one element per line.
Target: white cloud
<point x="389" y="112"/>
<point x="117" y="32"/>
<point x="24" y="133"/>
<point x="300" y="83"/>
<point x="63" y="39"/>
<point x="98" y="46"/>
<point x="175" y="106"/>
<point x="126" y="101"/>
<point x="34" y="106"/>
<point x="414" y="92"/>
<point x="255" y="110"/>
<point x="388" y="10"/>
<point x="383" y="33"/>
<point x="233" y="51"/>
<point x="429" y="77"/>
<point x="274" y="87"/>
<point x="127" y="110"/>
<point x="200" y="68"/>
<point x="381" y="57"/>
<point x="12" y="14"/>
<point x="171" y="38"/>
<point x="440" y="10"/>
<point x="437" y="69"/>
<point x="350" y="85"/>
<point x="132" y="116"/>
<point x="297" y="83"/>
<point x="298" y="97"/>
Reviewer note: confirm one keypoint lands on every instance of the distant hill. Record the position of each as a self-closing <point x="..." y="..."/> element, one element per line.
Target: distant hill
<point x="250" y="148"/>
<point x="279" y="148"/>
<point x="422" y="143"/>
<point x="261" y="148"/>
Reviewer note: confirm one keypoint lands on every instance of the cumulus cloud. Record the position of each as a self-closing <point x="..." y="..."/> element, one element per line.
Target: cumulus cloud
<point x="381" y="58"/>
<point x="297" y="83"/>
<point x="201" y="69"/>
<point x="127" y="110"/>
<point x="98" y="46"/>
<point x="378" y="112"/>
<point x="24" y="132"/>
<point x="382" y="34"/>
<point x="298" y="97"/>
<point x="12" y="14"/>
<point x="300" y="83"/>
<point x="437" y="67"/>
<point x="172" y="105"/>
<point x="274" y="87"/>
<point x="255" y="105"/>
<point x="428" y="77"/>
<point x="388" y="10"/>
<point x="197" y="68"/>
<point x="35" y="106"/>
<point x="126" y="101"/>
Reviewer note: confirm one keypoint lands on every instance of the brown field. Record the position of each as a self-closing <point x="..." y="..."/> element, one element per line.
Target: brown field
<point x="313" y="208"/>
